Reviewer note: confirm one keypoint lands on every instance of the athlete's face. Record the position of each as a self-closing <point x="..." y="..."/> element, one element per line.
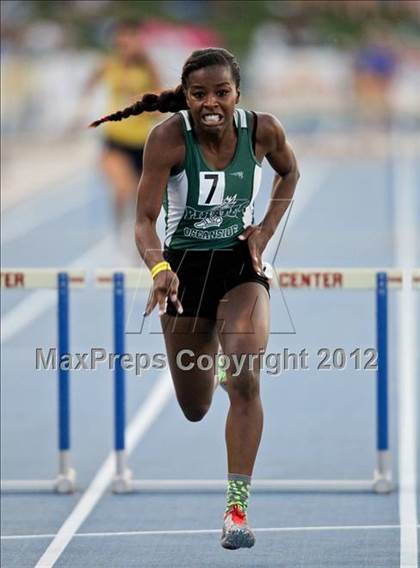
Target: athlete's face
<point x="211" y="95"/>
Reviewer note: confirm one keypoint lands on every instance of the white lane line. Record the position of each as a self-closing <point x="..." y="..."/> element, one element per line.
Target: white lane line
<point x="25" y="312"/>
<point x="138" y="426"/>
<point x="405" y="227"/>
<point x="36" y="303"/>
<point x="25" y="219"/>
<point x="205" y="531"/>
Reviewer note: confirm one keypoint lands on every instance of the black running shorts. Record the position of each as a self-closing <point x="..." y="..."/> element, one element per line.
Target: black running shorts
<point x="206" y="275"/>
<point x="134" y="155"/>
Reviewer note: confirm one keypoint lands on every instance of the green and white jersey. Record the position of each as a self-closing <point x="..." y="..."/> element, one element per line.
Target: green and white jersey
<point x="207" y="208"/>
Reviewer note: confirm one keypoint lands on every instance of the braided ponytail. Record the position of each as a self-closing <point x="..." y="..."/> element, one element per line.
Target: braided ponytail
<point x="174" y="100"/>
<point x="167" y="101"/>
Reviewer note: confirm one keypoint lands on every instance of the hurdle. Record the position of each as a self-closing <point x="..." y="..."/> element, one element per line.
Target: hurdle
<point x="62" y="281"/>
<point x="381" y="280"/>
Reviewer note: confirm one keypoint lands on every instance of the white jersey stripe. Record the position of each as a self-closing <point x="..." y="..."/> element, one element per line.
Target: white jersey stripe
<point x="186" y="118"/>
<point x="177" y="200"/>
<point x="248" y="213"/>
<point x="242" y="116"/>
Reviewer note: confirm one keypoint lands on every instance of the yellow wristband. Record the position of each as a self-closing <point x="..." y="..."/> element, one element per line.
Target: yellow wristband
<point x="160" y="267"/>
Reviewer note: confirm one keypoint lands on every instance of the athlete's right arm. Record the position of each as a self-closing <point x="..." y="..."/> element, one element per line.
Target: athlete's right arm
<point x="163" y="150"/>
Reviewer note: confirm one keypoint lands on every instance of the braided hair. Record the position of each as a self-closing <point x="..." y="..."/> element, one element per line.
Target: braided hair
<point x="174" y="100"/>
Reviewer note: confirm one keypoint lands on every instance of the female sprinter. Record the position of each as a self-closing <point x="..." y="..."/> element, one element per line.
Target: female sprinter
<point x="204" y="163"/>
<point x="125" y="73"/>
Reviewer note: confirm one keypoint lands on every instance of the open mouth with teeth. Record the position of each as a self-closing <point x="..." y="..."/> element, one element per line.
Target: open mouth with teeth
<point x="212" y="119"/>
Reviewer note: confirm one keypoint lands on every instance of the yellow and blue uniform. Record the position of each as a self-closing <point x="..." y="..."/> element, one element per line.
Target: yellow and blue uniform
<point x="126" y="83"/>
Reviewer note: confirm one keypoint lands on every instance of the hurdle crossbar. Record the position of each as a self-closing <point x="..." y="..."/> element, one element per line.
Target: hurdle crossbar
<point x="379" y="279"/>
<point x="61" y="280"/>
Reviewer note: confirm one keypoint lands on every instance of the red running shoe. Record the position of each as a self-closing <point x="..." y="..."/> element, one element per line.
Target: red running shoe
<point x="236" y="532"/>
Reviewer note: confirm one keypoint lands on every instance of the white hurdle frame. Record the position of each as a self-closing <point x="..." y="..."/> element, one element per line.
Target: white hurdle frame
<point x="61" y="280"/>
<point x="379" y="279"/>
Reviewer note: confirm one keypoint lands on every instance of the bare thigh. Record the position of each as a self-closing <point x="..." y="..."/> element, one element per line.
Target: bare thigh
<point x="244" y="322"/>
<point x="194" y="387"/>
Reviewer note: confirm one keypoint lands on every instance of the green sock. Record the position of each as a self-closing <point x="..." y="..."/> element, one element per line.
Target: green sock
<point x="238" y="489"/>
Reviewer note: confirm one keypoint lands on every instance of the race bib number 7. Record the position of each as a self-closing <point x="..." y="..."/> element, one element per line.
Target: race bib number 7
<point x="212" y="188"/>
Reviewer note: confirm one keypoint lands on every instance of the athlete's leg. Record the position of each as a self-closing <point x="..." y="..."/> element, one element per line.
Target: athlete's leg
<point x="123" y="179"/>
<point x="194" y="388"/>
<point x="243" y="321"/>
<point x="243" y="324"/>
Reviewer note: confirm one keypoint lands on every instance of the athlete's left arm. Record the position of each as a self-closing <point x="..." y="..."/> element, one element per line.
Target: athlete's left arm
<point x="271" y="141"/>
<point x="282" y="159"/>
